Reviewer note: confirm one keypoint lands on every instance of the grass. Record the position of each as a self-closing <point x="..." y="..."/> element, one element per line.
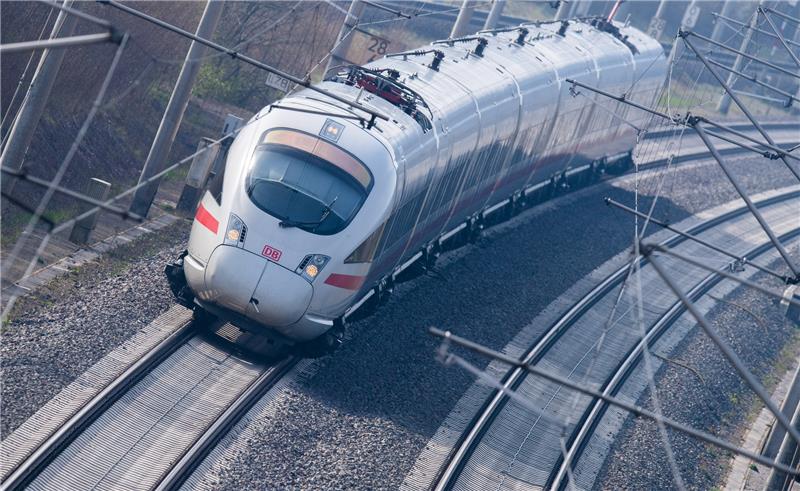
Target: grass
<point x="117" y="262"/>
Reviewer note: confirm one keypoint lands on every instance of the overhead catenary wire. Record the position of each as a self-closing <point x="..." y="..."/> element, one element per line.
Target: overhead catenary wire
<point x="64" y="166"/>
<point x="10" y="302"/>
<point x="449" y="358"/>
<point x="726" y="350"/>
<point x="82" y="15"/>
<point x="24" y="176"/>
<point x="777" y="32"/>
<point x="240" y="56"/>
<point x="22" y="78"/>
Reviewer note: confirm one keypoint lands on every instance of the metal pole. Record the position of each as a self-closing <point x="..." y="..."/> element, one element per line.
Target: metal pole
<point x="758" y="60"/>
<point x="720" y="26"/>
<point x="738" y="102"/>
<point x="658" y="23"/>
<point x="494" y="14"/>
<point x="461" y="27"/>
<point x="757" y="214"/>
<point x="30" y="112"/>
<point x="171" y="121"/>
<point x="781" y="14"/>
<point x="240" y="56"/>
<point x="582" y="8"/>
<point x="345" y="37"/>
<point x="724" y="103"/>
<point x="82" y="229"/>
<point x="563" y="10"/>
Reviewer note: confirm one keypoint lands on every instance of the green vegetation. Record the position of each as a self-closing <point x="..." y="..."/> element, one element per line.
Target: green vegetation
<point x="213" y="82"/>
<point x="117" y="262"/>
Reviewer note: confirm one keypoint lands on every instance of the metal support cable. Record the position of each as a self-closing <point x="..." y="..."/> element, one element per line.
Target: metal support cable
<point x="740" y="104"/>
<point x="685" y="34"/>
<point x="23" y="176"/>
<point x="239" y="56"/>
<point x="748" y="283"/>
<point x="743" y="194"/>
<point x="77" y="13"/>
<point x="66" y="42"/>
<point x="780" y="36"/>
<point x="688" y="121"/>
<point x="450" y="358"/>
<point x="785" y="16"/>
<point x="754" y="29"/>
<point x="753" y="78"/>
<point x="71" y="222"/>
<point x="651" y="376"/>
<point x="40" y="209"/>
<point x="726" y="350"/>
<point x="378" y="6"/>
<point x="694" y="238"/>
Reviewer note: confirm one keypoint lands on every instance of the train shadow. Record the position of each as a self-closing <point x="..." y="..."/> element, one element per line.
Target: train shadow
<point x="388" y="368"/>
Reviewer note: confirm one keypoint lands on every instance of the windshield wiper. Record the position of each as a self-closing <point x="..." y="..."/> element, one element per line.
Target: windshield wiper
<point x="325" y="212"/>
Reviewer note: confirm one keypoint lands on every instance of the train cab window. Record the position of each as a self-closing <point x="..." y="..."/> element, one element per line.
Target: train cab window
<point x="307" y="182"/>
<point x="365" y="253"/>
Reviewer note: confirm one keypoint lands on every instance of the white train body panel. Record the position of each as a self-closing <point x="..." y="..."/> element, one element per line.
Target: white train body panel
<point x="502" y="123"/>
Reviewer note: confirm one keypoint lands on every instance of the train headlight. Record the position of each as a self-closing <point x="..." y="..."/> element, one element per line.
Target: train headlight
<point x="311" y="265"/>
<point x="236" y="232"/>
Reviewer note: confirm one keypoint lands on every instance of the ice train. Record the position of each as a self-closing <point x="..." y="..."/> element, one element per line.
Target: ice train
<point x="320" y="214"/>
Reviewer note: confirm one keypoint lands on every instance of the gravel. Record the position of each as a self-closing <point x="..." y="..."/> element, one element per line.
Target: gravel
<point x="720" y="403"/>
<point x="368" y="411"/>
<point x="56" y="334"/>
<point x="361" y="421"/>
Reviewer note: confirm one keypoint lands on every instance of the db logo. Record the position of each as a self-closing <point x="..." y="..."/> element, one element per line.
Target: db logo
<point x="271" y="253"/>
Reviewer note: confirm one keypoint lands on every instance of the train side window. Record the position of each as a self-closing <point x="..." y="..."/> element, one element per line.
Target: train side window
<point x="365" y="253"/>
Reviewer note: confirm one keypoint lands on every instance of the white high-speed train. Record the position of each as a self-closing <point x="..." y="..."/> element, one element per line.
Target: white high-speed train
<point x="319" y="215"/>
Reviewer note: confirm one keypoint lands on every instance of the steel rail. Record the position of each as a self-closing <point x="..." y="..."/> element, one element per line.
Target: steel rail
<point x="20" y="477"/>
<point x="486" y="414"/>
<point x="202" y="446"/>
<point x="743" y="259"/>
<point x="592" y="416"/>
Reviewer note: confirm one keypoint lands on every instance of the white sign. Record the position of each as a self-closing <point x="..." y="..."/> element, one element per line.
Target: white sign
<point x="656" y="27"/>
<point x="691" y="15"/>
<point x="278" y="82"/>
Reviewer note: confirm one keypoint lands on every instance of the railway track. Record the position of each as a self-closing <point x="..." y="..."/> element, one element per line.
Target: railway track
<point x="155" y="423"/>
<point x="474" y="463"/>
<point x="71" y="456"/>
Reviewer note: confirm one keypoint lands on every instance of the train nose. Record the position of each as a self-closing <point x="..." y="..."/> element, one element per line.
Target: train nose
<point x="280" y="298"/>
<point x="262" y="290"/>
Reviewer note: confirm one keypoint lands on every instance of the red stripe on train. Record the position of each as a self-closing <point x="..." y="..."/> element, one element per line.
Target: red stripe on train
<point x="346" y="281"/>
<point x="206" y="219"/>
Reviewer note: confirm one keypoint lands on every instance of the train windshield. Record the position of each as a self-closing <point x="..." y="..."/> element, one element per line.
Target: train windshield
<point x="306" y="182"/>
